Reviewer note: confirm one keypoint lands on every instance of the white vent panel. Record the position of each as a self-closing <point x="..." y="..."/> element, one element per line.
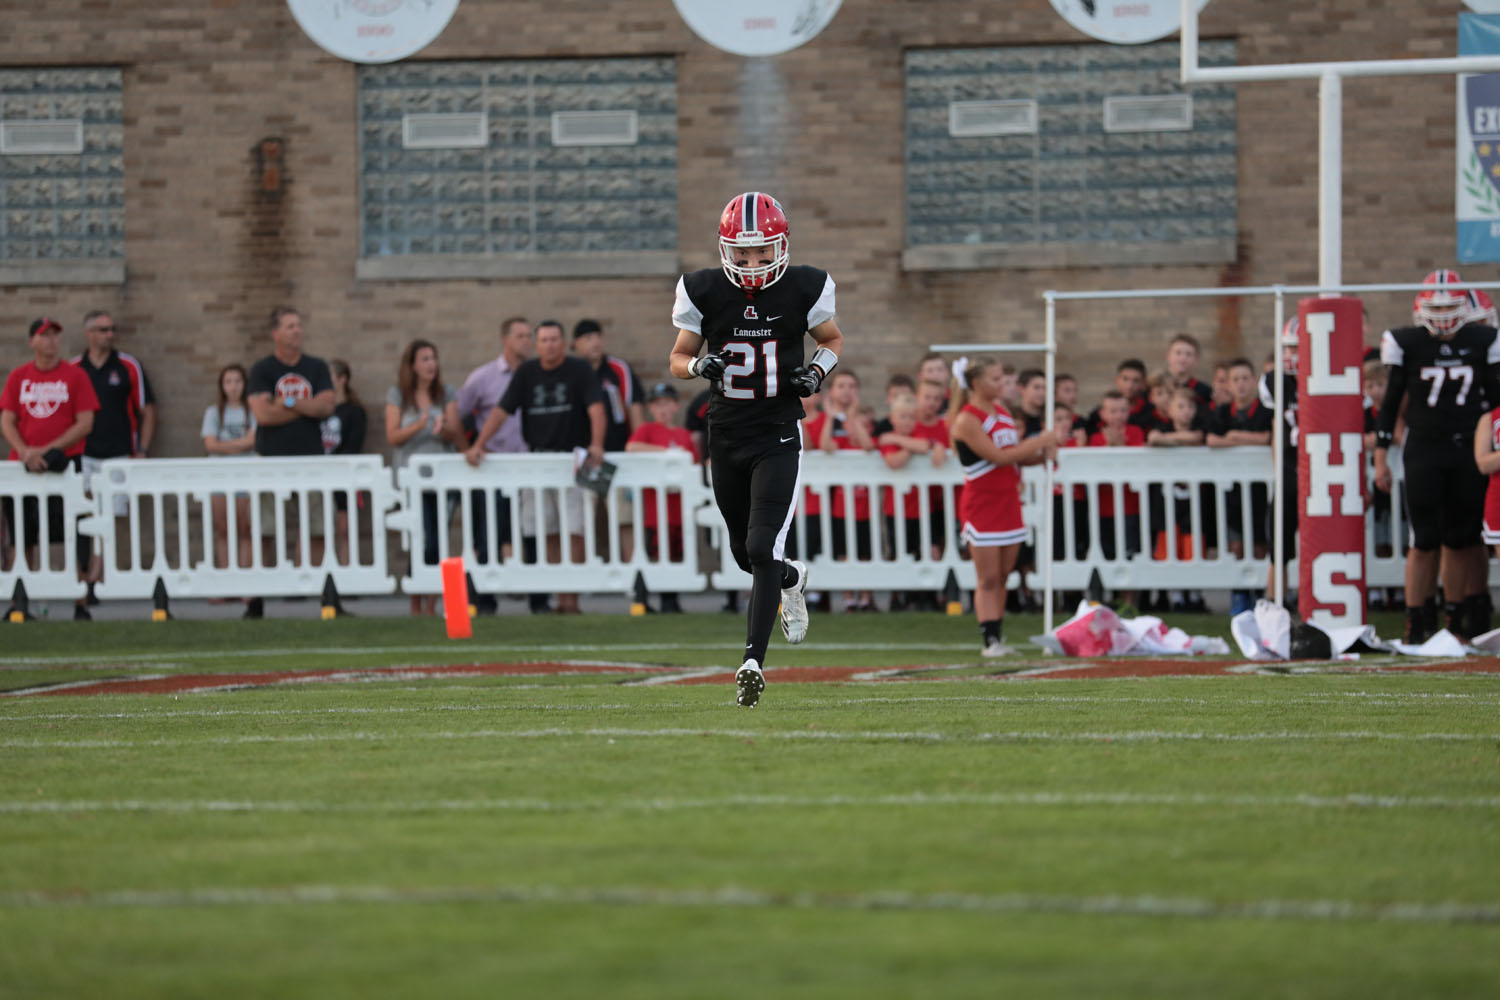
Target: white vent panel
<point x="594" y="128"/>
<point x="976" y="118"/>
<point x="36" y="137"/>
<point x="1166" y="113"/>
<point x="445" y="131"/>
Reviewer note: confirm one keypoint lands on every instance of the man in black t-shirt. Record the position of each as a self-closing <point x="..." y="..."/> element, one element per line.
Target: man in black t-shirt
<point x="124" y="424"/>
<point x="289" y="394"/>
<point x="563" y="406"/>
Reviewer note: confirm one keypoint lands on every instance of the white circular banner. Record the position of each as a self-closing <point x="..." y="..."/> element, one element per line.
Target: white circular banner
<point x="1124" y="22"/>
<point x="372" y="31"/>
<point x="757" y="27"/>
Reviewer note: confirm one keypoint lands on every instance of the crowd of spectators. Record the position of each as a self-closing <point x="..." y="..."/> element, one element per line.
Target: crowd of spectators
<point x="100" y="405"/>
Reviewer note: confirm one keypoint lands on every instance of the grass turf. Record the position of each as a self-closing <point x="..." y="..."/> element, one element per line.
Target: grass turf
<point x="577" y="836"/>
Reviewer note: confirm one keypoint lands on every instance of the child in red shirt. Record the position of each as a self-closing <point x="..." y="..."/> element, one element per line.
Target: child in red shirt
<point x="661" y="433"/>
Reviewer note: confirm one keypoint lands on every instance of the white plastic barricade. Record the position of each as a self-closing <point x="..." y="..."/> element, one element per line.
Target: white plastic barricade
<point x="543" y="499"/>
<point x="185" y="518"/>
<point x="843" y="534"/>
<point x="1115" y="509"/>
<point x="1208" y="488"/>
<point x="47" y="506"/>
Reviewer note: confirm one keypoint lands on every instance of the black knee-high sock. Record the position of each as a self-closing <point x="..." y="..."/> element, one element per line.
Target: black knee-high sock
<point x="990" y="630"/>
<point x="765" y="600"/>
<point x="788" y="575"/>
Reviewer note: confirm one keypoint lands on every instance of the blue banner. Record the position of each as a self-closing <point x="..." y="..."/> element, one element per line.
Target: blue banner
<point x="1477" y="156"/>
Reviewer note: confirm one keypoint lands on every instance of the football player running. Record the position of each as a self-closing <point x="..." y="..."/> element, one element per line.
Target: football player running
<point x="753" y="312"/>
<point x="1448" y="365"/>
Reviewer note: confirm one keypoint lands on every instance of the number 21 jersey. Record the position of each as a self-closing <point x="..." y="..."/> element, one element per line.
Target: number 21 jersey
<point x="763" y="333"/>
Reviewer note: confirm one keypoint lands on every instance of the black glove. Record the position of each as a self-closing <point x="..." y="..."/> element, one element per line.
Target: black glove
<point x="710" y="366"/>
<point x="807" y="381"/>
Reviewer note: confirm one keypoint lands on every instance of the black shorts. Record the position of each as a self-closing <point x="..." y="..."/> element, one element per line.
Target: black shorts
<point x="1444" y="492"/>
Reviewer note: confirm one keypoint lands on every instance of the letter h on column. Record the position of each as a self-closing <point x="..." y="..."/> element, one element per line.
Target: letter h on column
<point x="1324" y="475"/>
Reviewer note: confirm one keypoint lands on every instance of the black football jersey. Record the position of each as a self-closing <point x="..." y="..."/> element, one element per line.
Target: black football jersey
<point x="1288" y="410"/>
<point x="764" y="332"/>
<point x="1446" y="381"/>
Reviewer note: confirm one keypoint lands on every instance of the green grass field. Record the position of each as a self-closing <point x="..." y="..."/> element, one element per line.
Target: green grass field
<point x="948" y="833"/>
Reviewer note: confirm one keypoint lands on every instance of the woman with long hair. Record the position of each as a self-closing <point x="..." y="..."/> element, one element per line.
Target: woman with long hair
<point x="421" y="417"/>
<point x="984" y="436"/>
<point x="229" y="429"/>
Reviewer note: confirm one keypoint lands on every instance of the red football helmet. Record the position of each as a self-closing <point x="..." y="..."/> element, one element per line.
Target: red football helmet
<point x="753" y="219"/>
<point x="1482" y="308"/>
<point x="1444" y="306"/>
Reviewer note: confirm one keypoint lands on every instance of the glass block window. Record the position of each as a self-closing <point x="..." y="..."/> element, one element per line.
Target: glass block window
<point x="61" y="205"/>
<point x="518" y="193"/>
<point x="1069" y="181"/>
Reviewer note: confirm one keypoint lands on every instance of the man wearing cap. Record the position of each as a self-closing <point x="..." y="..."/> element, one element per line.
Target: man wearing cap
<point x="46" y="411"/>
<point x="622" y="390"/>
<point x="622" y="414"/>
<point x="661" y="433"/>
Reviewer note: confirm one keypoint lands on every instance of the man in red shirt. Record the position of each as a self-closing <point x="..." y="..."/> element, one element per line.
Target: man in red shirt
<point x="46" y="410"/>
<point x="661" y="433"/>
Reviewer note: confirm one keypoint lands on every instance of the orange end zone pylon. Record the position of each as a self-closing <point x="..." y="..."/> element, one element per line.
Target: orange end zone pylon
<point x="456" y="599"/>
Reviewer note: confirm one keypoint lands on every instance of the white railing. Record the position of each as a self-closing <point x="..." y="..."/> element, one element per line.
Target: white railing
<point x="53" y="573"/>
<point x="169" y="530"/>
<point x="172" y="526"/>
<point x="612" y="554"/>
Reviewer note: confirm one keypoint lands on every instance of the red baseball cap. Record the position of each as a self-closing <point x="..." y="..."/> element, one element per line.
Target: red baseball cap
<point x="43" y="325"/>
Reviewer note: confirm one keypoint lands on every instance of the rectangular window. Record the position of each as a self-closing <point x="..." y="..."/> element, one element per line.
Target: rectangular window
<point x="62" y="176"/>
<point x="1119" y="165"/>
<point x="518" y="168"/>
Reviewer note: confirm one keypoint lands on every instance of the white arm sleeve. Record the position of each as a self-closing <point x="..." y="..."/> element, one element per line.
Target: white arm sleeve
<point x="822" y="310"/>
<point x="685" y="315"/>
<point x="1493" y="355"/>
<point x="1390" y="351"/>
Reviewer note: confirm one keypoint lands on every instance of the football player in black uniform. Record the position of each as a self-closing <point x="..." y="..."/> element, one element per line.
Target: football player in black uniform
<point x="753" y="312"/>
<point x="1447" y="366"/>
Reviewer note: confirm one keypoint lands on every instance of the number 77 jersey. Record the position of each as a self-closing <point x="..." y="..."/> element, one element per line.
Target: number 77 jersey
<point x="763" y="334"/>
<point x="1446" y="379"/>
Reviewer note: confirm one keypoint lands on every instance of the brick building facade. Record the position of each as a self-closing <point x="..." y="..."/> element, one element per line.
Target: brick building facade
<point x="219" y="226"/>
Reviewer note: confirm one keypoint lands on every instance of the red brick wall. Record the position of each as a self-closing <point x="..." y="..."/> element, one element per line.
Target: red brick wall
<point x="208" y="254"/>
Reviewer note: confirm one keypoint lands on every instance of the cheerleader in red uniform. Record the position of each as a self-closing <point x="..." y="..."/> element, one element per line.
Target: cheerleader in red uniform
<point x="984" y="436"/>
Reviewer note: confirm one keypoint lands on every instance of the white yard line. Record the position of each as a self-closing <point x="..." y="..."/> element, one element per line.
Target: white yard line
<point x="1321" y="910"/>
<point x="808" y="735"/>
<point x="1229" y="700"/>
<point x="914" y="800"/>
